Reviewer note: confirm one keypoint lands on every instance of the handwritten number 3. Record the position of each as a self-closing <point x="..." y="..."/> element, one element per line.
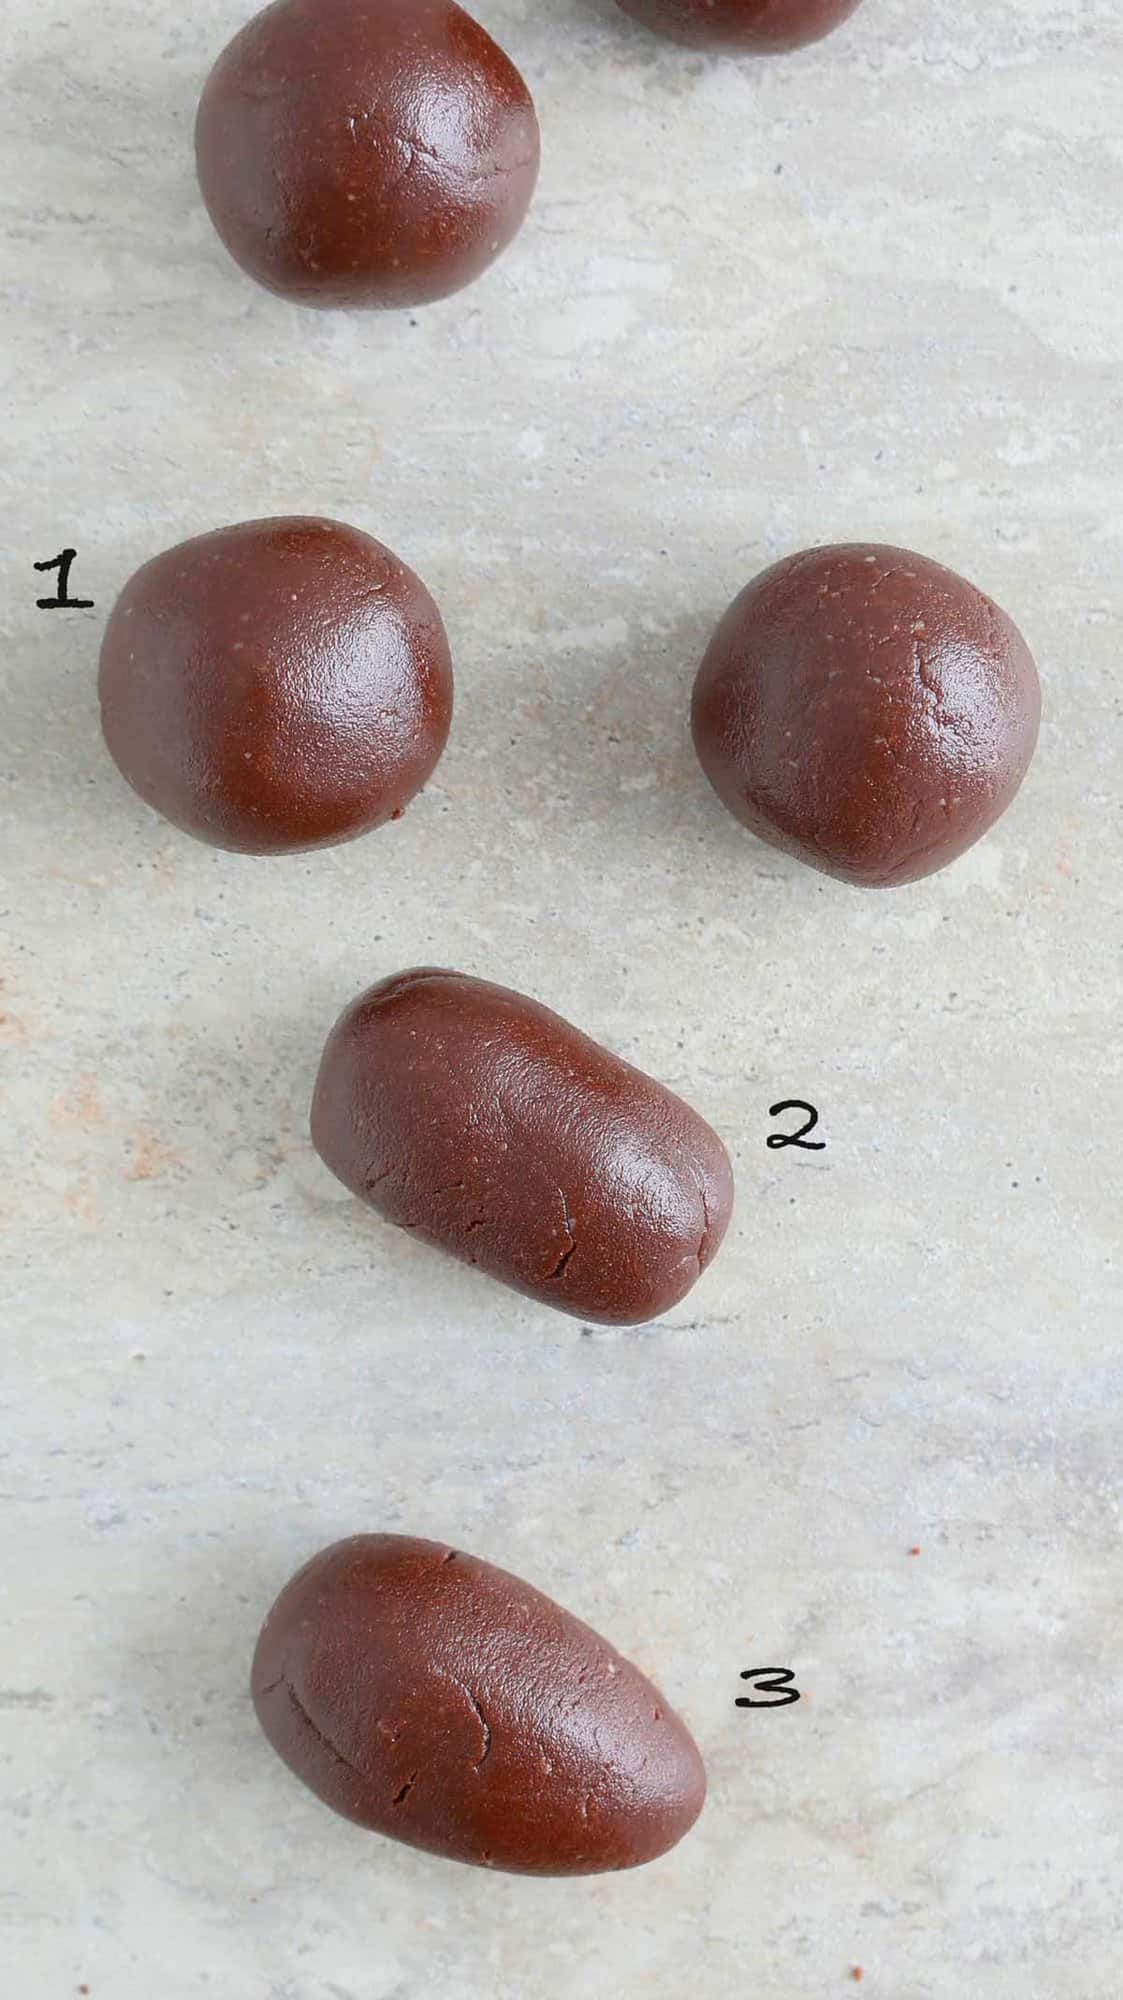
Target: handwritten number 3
<point x="774" y="1681"/>
<point x="777" y="1139"/>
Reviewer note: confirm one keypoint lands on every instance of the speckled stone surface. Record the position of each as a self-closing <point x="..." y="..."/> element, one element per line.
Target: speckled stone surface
<point x="871" y="292"/>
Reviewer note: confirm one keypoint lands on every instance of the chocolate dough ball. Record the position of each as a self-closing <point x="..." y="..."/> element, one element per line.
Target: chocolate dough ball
<point x="752" y="27"/>
<point x="433" y="1698"/>
<point x="481" y="1121"/>
<point x="278" y="685"/>
<point x="365" y="152"/>
<point x="866" y="710"/>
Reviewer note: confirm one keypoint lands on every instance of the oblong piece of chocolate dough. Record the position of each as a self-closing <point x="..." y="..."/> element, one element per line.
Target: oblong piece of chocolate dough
<point x="433" y="1698"/>
<point x="483" y="1122"/>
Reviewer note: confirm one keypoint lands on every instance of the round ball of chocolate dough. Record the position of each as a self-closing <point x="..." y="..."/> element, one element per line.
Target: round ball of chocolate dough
<point x="866" y="710"/>
<point x="278" y="685"/>
<point x="431" y="1697"/>
<point x="750" y="27"/>
<point x="365" y="152"/>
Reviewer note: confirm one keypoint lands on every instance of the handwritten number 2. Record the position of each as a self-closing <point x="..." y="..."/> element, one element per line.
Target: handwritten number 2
<point x="778" y="1139"/>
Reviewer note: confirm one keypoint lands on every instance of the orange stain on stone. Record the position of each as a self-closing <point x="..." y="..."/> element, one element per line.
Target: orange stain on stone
<point x="81" y="1105"/>
<point x="150" y="1156"/>
<point x="81" y="1203"/>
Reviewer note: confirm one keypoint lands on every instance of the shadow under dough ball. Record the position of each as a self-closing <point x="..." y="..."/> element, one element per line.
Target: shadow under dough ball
<point x="365" y="152"/>
<point x="278" y="685"/>
<point x="752" y="27"/>
<point x="445" y="1703"/>
<point x="486" y="1124"/>
<point x="866" y="710"/>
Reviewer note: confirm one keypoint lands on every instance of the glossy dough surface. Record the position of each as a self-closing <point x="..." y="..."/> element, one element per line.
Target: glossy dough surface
<point x="365" y="152"/>
<point x="761" y="27"/>
<point x="866" y="710"/>
<point x="281" y="684"/>
<point x="487" y="1124"/>
<point x="431" y="1697"/>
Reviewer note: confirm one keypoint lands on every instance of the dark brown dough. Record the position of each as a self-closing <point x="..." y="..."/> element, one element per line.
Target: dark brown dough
<point x="365" y="152"/>
<point x="488" y="1125"/>
<point x="754" y="27"/>
<point x="278" y="685"/>
<point x="866" y="710"/>
<point x="433" y="1698"/>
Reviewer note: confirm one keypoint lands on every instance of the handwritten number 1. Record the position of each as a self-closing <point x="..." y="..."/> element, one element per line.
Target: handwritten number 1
<point x="62" y="601"/>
